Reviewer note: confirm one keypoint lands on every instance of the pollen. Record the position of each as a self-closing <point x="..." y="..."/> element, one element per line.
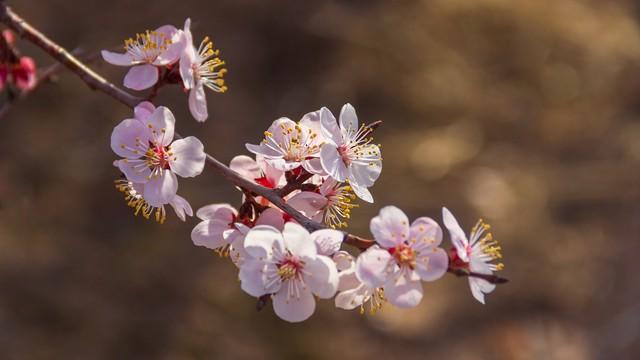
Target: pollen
<point x="136" y="201"/>
<point x="147" y="46"/>
<point x="487" y="244"/>
<point x="338" y="208"/>
<point x="290" y="267"/>
<point x="375" y="301"/>
<point x="209" y="67"/>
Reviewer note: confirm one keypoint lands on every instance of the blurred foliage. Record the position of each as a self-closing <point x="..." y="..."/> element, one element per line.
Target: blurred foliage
<point x="522" y="112"/>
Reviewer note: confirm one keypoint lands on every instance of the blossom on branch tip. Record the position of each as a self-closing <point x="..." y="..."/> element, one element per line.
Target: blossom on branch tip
<point x="145" y="53"/>
<point x="288" y="145"/>
<point x="475" y="254"/>
<point x="405" y="255"/>
<point x="348" y="153"/>
<point x="200" y="67"/>
<point x="151" y="157"/>
<point x="286" y="264"/>
<point x="21" y="74"/>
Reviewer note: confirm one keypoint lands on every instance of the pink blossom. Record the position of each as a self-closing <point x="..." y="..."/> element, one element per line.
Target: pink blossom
<point x="475" y="254"/>
<point x="288" y="145"/>
<point x="22" y="74"/>
<point x="145" y="53"/>
<point x="404" y="255"/>
<point x="352" y="292"/>
<point x="199" y="68"/>
<point x="348" y="154"/>
<point x="287" y="265"/>
<point x="151" y="157"/>
<point x="217" y="229"/>
<point x="331" y="204"/>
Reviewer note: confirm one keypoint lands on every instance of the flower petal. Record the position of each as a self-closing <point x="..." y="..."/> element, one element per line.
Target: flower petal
<point x="426" y="230"/>
<point x="272" y="217"/>
<point x="143" y="110"/>
<point x="294" y="308"/>
<point x="261" y="241"/>
<point x="351" y="298"/>
<point x="224" y="212"/>
<point x="161" y="125"/>
<point x="263" y="150"/>
<point x="246" y="167"/>
<point x="141" y="77"/>
<point x="402" y="292"/>
<point x="308" y="203"/>
<point x="298" y="241"/>
<point x="367" y="171"/>
<point x="361" y="192"/>
<point x="117" y="59"/>
<point x="348" y="120"/>
<point x="237" y="253"/>
<point x="458" y="237"/>
<point x="312" y="121"/>
<point x="321" y="276"/>
<point x="187" y="157"/>
<point x="182" y="207"/>
<point x="332" y="163"/>
<point x="198" y="103"/>
<point x="280" y="128"/>
<point x="209" y="233"/>
<point x="129" y="139"/>
<point x="344" y="261"/>
<point x="348" y="280"/>
<point x="480" y="287"/>
<point x="188" y="57"/>
<point x="330" y="129"/>
<point x="161" y="189"/>
<point x="372" y="266"/>
<point x="282" y="164"/>
<point x="314" y="166"/>
<point x="135" y="170"/>
<point x="174" y="50"/>
<point x="432" y="264"/>
<point x="275" y="176"/>
<point x="391" y="227"/>
<point x="328" y="241"/>
<point x="253" y="279"/>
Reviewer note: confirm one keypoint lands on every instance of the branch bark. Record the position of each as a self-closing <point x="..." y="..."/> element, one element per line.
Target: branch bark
<point x="97" y="82"/>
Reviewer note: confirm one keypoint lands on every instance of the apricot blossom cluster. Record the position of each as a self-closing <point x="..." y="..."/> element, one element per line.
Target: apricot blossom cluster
<point x="325" y="164"/>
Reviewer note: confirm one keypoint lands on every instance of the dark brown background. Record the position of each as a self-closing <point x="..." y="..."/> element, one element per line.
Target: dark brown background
<point x="522" y="112"/>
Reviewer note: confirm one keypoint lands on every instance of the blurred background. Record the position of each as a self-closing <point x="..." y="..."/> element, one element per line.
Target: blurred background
<point x="525" y="113"/>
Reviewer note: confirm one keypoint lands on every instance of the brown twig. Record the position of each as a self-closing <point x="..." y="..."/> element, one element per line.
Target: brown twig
<point x="97" y="82"/>
<point x="494" y="279"/>
<point x="294" y="185"/>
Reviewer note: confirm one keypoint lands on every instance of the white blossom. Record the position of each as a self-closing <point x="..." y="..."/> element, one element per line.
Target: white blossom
<point x="475" y="253"/>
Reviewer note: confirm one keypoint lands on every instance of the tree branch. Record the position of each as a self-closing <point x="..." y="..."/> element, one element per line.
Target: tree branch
<point x="97" y="82"/>
<point x="91" y="78"/>
<point x="494" y="279"/>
